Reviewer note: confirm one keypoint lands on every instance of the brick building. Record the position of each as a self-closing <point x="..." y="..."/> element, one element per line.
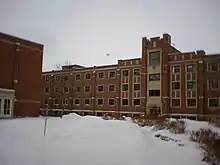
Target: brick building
<point x="20" y="76"/>
<point x="163" y="81"/>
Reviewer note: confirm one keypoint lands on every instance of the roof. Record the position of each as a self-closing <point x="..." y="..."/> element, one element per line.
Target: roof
<point x="15" y="39"/>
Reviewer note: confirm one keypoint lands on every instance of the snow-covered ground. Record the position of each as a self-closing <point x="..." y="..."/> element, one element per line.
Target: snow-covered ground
<point x="76" y="140"/>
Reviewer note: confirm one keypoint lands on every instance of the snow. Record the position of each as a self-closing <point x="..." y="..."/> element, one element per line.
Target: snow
<point x="92" y="141"/>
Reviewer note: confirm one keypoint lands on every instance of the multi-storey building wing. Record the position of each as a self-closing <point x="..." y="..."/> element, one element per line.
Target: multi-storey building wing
<point x="20" y="76"/>
<point x="164" y="81"/>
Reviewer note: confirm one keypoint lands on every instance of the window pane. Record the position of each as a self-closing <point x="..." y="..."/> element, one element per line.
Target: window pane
<point x="176" y="69"/>
<point x="137" y="87"/>
<point x="154" y="92"/>
<point x="112" y="74"/>
<point x="213" y="103"/>
<point x="111" y="88"/>
<point x="124" y="101"/>
<point x="125" y="73"/>
<point x="175" y="102"/>
<point x="191" y="102"/>
<point x="111" y="101"/>
<point x="137" y="102"/>
<point x="154" y="77"/>
<point x="86" y="101"/>
<point x="191" y="67"/>
<point x="154" y="58"/>
<point x="100" y="88"/>
<point x="213" y="66"/>
<point x="125" y="87"/>
<point x="176" y="85"/>
<point x="76" y="101"/>
<point x="137" y="72"/>
<point x="100" y="102"/>
<point x="191" y="85"/>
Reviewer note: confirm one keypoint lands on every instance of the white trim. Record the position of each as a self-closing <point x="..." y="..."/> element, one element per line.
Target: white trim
<point x="7" y="90"/>
<point x="111" y="99"/>
<point x="103" y="102"/>
<point x="211" y="98"/>
<point x="186" y="82"/>
<point x="85" y="100"/>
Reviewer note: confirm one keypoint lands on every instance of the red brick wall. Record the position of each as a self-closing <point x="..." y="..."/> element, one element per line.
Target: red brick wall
<point x="22" y="62"/>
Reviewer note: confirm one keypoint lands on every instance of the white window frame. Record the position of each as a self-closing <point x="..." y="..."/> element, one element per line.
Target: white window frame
<point x="102" y="102"/>
<point x="114" y="87"/>
<point x="218" y="98"/>
<point x="10" y="108"/>
<point x="89" y="101"/>
<point x="98" y="88"/>
<point x="75" y="102"/>
<point x="110" y="99"/>
<point x="90" y="88"/>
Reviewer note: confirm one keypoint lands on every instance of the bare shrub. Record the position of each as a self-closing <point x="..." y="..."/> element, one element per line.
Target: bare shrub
<point x="210" y="144"/>
<point x="177" y="126"/>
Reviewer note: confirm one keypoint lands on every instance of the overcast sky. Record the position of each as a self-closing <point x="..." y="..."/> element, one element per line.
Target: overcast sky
<point x="84" y="31"/>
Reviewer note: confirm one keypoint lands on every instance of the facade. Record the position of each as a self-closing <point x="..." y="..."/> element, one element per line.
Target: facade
<point x="21" y="76"/>
<point x="163" y="81"/>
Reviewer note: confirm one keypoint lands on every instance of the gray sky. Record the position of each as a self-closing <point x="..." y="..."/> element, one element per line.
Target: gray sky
<point x="83" y="31"/>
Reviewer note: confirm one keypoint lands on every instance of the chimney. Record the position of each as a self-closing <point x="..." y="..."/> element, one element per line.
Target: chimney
<point x="167" y="38"/>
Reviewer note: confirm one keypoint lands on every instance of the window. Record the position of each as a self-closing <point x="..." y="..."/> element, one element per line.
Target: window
<point x="176" y="85"/>
<point x="47" y="79"/>
<point x="137" y="102"/>
<point x="191" y="102"/>
<point x="87" y="88"/>
<point x="191" y="67"/>
<point x="137" y="72"/>
<point x="101" y="75"/>
<point x="46" y="90"/>
<point x="65" y="78"/>
<point x="191" y="85"/>
<point x="124" y="101"/>
<point x="125" y="87"/>
<point x="213" y="66"/>
<point x="111" y="102"/>
<point x="77" y="76"/>
<point x="112" y="74"/>
<point x="65" y="89"/>
<point x="57" y="90"/>
<point x="214" y="102"/>
<point x="100" y="88"/>
<point x="154" y="77"/>
<point x="77" y="89"/>
<point x="176" y="69"/>
<point x="76" y="101"/>
<point x="46" y="102"/>
<point x="7" y="107"/>
<point x="57" y="78"/>
<point x="137" y="87"/>
<point x="214" y="84"/>
<point x="111" y="88"/>
<point x="154" y="58"/>
<point x="100" y="102"/>
<point x="65" y="101"/>
<point x="86" y="101"/>
<point x="56" y="101"/>
<point x="88" y="76"/>
<point x="154" y="92"/>
<point x="125" y="73"/>
<point x="175" y="102"/>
